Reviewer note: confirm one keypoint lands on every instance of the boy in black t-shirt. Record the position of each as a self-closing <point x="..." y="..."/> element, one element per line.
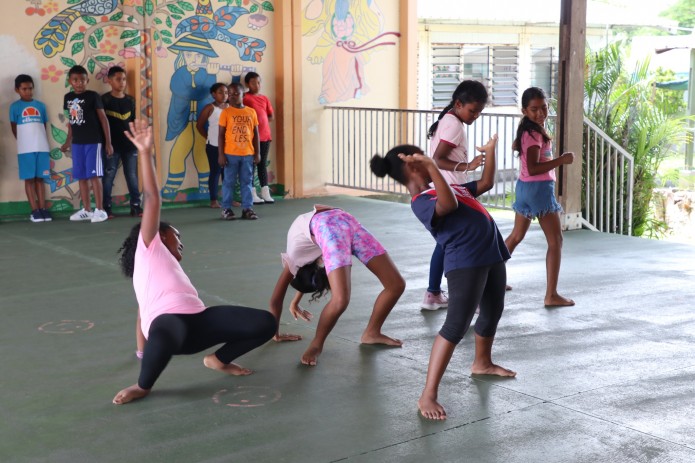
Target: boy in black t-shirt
<point x="120" y="111"/>
<point x="88" y="129"/>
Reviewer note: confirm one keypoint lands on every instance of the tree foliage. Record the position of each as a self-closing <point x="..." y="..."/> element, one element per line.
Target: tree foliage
<point x="682" y="11"/>
<point x="623" y="103"/>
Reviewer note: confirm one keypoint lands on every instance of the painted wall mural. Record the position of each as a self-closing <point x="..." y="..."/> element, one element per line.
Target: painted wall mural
<point x="350" y="31"/>
<point x="195" y="72"/>
<point x="99" y="34"/>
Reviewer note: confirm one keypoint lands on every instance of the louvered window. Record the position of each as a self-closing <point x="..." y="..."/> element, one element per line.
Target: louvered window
<point x="544" y="70"/>
<point x="496" y="67"/>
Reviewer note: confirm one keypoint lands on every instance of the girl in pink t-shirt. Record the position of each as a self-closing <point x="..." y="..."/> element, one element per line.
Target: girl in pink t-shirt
<point x="172" y="317"/>
<point x="449" y="149"/>
<point x="535" y="189"/>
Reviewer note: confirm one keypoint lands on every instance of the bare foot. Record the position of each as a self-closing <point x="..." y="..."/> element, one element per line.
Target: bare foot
<point x="380" y="339"/>
<point x="282" y="337"/>
<point x="492" y="369"/>
<point x="211" y="361"/>
<point x="558" y="301"/>
<point x="430" y="408"/>
<point x="311" y="356"/>
<point x="129" y="394"/>
<point x="507" y="288"/>
<point x="214" y="204"/>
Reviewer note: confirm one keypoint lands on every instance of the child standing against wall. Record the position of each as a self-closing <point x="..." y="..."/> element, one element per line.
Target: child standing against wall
<point x="535" y="189"/>
<point x="449" y="149"/>
<point x="28" y="120"/>
<point x="208" y="125"/>
<point x="120" y="111"/>
<point x="264" y="111"/>
<point x="88" y="130"/>
<point x="238" y="152"/>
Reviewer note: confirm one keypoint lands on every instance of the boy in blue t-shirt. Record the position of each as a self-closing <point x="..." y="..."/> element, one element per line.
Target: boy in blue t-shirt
<point x="28" y="120"/>
<point x="88" y="130"/>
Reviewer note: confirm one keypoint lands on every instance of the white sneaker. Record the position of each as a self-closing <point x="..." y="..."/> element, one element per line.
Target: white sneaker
<point x="256" y="199"/>
<point x="81" y="216"/>
<point x="265" y="194"/>
<point x="99" y="215"/>
<point x="434" y="301"/>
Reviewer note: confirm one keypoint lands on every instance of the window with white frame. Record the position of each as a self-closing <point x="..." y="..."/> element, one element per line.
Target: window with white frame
<point x="495" y="66"/>
<point x="544" y="65"/>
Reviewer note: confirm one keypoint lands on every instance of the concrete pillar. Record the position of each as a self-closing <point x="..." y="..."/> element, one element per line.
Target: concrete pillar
<point x="571" y="108"/>
<point x="288" y="95"/>
<point x="407" y="91"/>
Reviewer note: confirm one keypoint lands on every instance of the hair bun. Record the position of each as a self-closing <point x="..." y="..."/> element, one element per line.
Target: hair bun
<point x="380" y="165"/>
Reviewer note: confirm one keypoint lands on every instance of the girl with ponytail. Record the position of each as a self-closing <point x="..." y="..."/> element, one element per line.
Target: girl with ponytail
<point x="449" y="149"/>
<point x="535" y="188"/>
<point x="474" y="258"/>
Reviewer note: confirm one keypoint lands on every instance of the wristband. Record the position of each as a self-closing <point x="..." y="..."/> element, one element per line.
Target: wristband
<point x="457" y="166"/>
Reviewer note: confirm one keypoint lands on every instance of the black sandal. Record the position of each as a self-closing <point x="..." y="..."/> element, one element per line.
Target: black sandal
<point x="248" y="214"/>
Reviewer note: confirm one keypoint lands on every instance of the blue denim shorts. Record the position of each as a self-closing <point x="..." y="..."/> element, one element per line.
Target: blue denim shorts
<point x="535" y="199"/>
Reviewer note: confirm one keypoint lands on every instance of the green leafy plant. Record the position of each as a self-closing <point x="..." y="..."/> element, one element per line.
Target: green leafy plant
<point x="623" y="104"/>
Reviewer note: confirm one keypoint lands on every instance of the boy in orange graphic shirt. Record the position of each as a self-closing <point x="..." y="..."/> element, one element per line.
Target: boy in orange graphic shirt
<point x="239" y="152"/>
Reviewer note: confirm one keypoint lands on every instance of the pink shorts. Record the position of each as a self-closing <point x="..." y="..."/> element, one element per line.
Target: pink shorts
<point x="340" y="236"/>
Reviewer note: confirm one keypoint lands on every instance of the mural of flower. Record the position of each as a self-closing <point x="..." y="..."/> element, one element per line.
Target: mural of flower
<point x="129" y="53"/>
<point x="103" y="73"/>
<point x="51" y="73"/>
<point x="132" y="2"/>
<point x="51" y="6"/>
<point x="111" y="31"/>
<point x="107" y="47"/>
<point x="257" y="21"/>
<point x="161" y="52"/>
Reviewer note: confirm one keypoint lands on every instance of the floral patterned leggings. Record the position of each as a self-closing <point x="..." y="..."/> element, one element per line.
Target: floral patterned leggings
<point x="340" y="236"/>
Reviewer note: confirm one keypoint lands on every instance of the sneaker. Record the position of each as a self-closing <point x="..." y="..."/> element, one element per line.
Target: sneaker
<point x="249" y="214"/>
<point x="36" y="216"/>
<point x="256" y="199"/>
<point x="135" y="211"/>
<point x="434" y="301"/>
<point x="265" y="194"/>
<point x="99" y="215"/>
<point x="82" y="216"/>
<point x="228" y="214"/>
<point x="47" y="217"/>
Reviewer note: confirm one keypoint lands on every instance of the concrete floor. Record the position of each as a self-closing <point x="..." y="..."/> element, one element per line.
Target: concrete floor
<point x="610" y="380"/>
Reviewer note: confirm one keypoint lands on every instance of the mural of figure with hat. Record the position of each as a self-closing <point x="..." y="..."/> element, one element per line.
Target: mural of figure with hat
<point x="190" y="85"/>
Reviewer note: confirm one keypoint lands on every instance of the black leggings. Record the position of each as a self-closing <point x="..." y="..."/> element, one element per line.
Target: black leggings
<point x="262" y="167"/>
<point x="468" y="289"/>
<point x="215" y="170"/>
<point x="241" y="329"/>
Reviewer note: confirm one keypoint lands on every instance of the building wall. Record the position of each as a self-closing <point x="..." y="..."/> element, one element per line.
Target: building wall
<point x="350" y="58"/>
<point x="525" y="37"/>
<point x="158" y="41"/>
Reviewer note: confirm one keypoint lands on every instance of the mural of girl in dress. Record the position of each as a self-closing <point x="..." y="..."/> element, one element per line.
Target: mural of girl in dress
<point x="350" y="28"/>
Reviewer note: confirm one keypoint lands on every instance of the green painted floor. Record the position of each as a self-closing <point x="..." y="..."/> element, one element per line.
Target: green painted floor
<point x="610" y="380"/>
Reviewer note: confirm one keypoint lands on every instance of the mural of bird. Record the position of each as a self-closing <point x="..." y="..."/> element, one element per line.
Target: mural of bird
<point x="217" y="28"/>
<point x="53" y="35"/>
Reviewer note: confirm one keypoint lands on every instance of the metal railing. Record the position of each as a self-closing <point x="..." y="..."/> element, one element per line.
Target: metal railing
<point x="608" y="182"/>
<point x="359" y="133"/>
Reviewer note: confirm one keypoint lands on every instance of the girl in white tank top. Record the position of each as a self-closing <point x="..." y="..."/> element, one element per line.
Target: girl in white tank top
<point x="210" y="116"/>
